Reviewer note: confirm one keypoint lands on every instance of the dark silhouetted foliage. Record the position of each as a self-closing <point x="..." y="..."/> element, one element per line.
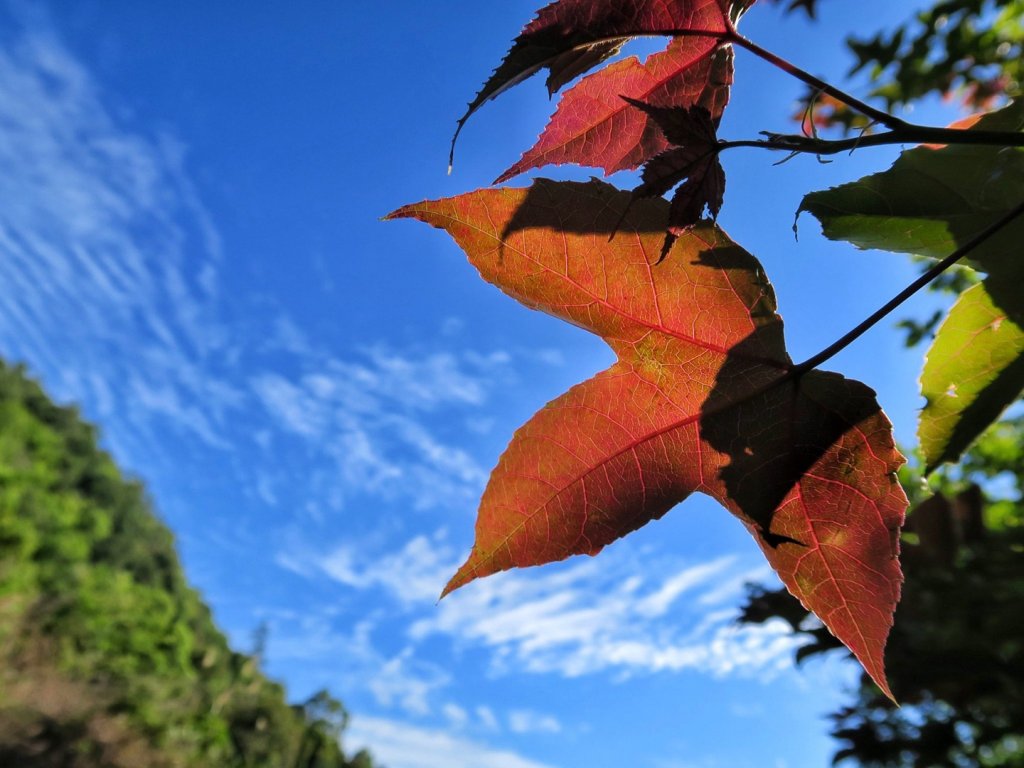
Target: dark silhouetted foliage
<point x="956" y="654"/>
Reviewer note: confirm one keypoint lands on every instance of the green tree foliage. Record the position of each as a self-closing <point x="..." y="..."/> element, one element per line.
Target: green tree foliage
<point x="970" y="50"/>
<point x="107" y="656"/>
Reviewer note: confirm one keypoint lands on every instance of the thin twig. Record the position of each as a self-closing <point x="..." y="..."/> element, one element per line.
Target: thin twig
<point x="911" y="134"/>
<point x="731" y="35"/>
<point x="834" y="349"/>
<point x="900" y="131"/>
<point x="878" y="115"/>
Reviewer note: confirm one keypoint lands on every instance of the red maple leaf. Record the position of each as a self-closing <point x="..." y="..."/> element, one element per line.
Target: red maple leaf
<point x="569" y="37"/>
<point x="703" y="398"/>
<point x="593" y="126"/>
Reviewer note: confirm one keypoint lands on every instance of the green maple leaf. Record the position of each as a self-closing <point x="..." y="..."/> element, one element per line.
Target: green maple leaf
<point x="930" y="202"/>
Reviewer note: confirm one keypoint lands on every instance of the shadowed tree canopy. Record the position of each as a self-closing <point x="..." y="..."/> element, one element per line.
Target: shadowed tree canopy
<point x="955" y="657"/>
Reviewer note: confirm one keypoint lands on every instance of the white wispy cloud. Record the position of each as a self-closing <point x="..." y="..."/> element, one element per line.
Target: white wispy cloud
<point x="369" y="416"/>
<point x="456" y="716"/>
<point x="401" y="681"/>
<point x="400" y="745"/>
<point x="433" y="380"/>
<point x="528" y="721"/>
<point x="588" y="617"/>
<point x="314" y="635"/>
<point x="713" y="762"/>
<point x="487" y="718"/>
<point x="110" y="267"/>
<point x="412" y="575"/>
<point x="406" y="683"/>
<point x="657" y="603"/>
<point x="104" y="248"/>
<point x="581" y="617"/>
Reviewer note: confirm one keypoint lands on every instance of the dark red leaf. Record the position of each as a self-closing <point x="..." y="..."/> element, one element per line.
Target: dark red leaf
<point x="692" y="164"/>
<point x="593" y="126"/>
<point x="682" y="126"/>
<point x="571" y="35"/>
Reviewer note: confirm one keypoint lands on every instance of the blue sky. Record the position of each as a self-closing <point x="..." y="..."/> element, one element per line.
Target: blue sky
<point x="191" y="250"/>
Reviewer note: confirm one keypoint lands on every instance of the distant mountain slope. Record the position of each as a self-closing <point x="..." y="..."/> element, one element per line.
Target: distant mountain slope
<point x="107" y="657"/>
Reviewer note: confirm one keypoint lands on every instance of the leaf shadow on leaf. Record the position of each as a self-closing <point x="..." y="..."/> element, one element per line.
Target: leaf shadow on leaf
<point x="731" y="258"/>
<point x="753" y="394"/>
<point x="1001" y="253"/>
<point x="703" y="398"/>
<point x="1001" y="258"/>
<point x="539" y="210"/>
<point x="1004" y="286"/>
<point x="776" y="433"/>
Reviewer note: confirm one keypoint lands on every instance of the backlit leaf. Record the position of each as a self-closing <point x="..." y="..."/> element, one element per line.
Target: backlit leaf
<point x="974" y="370"/>
<point x="692" y="163"/>
<point x="702" y="398"/>
<point x="570" y="36"/>
<point x="572" y="64"/>
<point x="933" y="200"/>
<point x="593" y="126"/>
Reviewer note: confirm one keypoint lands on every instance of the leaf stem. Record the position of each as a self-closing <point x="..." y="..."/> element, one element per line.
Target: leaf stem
<point x="731" y="35"/>
<point x="907" y="292"/>
<point x="900" y="131"/>
<point x="878" y="115"/>
<point x="908" y="134"/>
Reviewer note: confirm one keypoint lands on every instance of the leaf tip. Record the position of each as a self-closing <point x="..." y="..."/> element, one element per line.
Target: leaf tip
<point x="883" y="686"/>
<point x="506" y="175"/>
<point x="873" y="662"/>
<point x="399" y="213"/>
<point x="462" y="577"/>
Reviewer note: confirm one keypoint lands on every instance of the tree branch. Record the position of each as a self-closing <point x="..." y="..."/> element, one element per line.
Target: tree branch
<point x="908" y="134"/>
<point x="878" y="115"/>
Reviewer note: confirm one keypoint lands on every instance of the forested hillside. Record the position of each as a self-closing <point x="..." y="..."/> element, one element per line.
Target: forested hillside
<point x="107" y="656"/>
